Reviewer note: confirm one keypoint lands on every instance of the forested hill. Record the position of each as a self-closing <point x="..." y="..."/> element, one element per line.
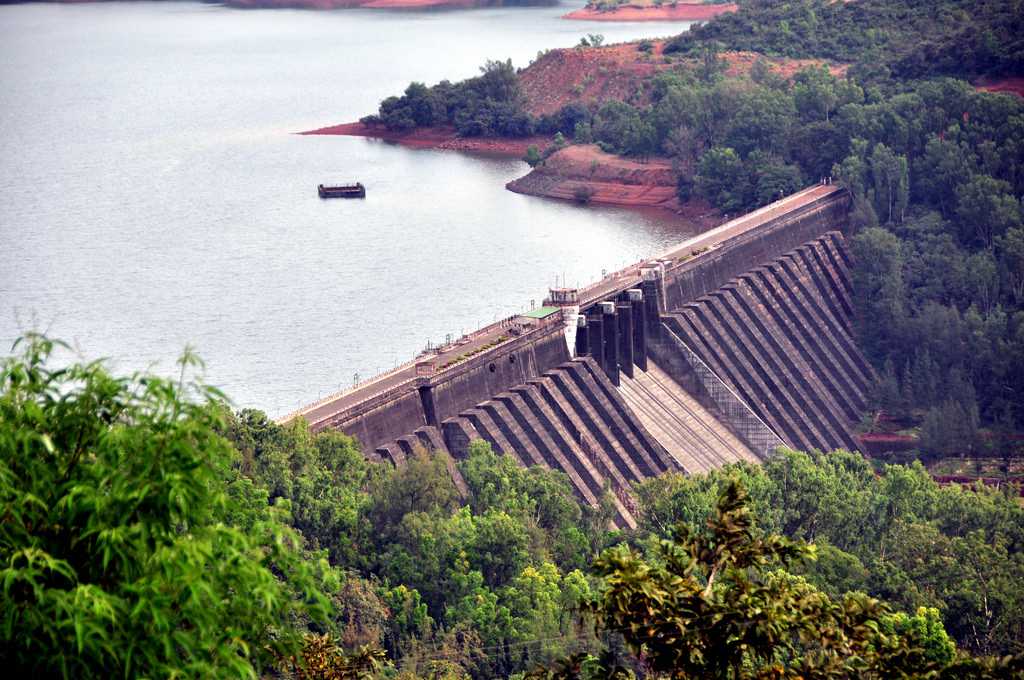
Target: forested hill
<point x="883" y="38"/>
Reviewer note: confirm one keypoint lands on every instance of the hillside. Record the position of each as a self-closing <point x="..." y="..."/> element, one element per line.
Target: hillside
<point x="623" y="72"/>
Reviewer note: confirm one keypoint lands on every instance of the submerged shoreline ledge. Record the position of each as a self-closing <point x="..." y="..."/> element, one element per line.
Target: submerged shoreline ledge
<point x="438" y="138"/>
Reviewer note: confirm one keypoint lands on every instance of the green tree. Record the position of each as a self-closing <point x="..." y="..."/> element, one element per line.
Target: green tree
<point x="946" y="164"/>
<point x="422" y="485"/>
<point x="1011" y="251"/>
<point x="760" y="120"/>
<point x="814" y="92"/>
<point x="721" y="177"/>
<point x="891" y="180"/>
<point x="713" y="604"/>
<point x="854" y="174"/>
<point x="986" y="209"/>
<point x="114" y="556"/>
<point x="880" y="293"/>
<point x="533" y="157"/>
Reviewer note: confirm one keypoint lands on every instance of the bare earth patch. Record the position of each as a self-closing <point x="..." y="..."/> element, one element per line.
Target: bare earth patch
<point x="584" y="173"/>
<point x="648" y="11"/>
<point x="1011" y="84"/>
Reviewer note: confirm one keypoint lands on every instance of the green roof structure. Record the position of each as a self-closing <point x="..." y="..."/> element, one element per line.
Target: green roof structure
<point x="540" y="312"/>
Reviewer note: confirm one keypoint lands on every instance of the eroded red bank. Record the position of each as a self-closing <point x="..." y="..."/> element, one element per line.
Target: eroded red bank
<point x="350" y="4"/>
<point x="1011" y="84"/>
<point x="677" y="12"/>
<point x="580" y="173"/>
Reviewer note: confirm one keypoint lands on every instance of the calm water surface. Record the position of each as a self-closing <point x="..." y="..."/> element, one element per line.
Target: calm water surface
<point x="152" y="194"/>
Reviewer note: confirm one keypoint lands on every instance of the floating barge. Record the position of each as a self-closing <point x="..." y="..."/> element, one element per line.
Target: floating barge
<point x="356" y="190"/>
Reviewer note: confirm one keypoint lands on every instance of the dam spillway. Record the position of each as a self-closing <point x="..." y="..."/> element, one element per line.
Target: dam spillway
<point x="725" y="347"/>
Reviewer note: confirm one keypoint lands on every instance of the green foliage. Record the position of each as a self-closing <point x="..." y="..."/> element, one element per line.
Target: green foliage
<point x="321" y="477"/>
<point x="114" y="555"/>
<point x="715" y="603"/>
<point x="896" y="536"/>
<point x="721" y="177"/>
<point x="533" y="157"/>
<point x="430" y="570"/>
<point x="488" y="105"/>
<point x="138" y="541"/>
<point x="879" y="283"/>
<point x="882" y="38"/>
<point x="989" y="207"/>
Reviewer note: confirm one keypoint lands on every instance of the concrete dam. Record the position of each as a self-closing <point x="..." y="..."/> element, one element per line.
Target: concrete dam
<point x="727" y="346"/>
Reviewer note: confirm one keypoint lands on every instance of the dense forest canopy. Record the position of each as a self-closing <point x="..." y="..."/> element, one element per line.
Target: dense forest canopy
<point x="148" y="530"/>
<point x="882" y="38"/>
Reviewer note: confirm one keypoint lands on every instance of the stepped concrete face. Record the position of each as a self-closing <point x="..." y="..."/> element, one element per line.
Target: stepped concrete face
<point x="691" y="433"/>
<point x="779" y="336"/>
<point x="719" y="351"/>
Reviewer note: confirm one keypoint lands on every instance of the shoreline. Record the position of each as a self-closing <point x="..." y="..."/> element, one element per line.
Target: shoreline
<point x="583" y="174"/>
<point x="677" y="12"/>
<point x="326" y="5"/>
<point x="684" y="11"/>
<point x="438" y="138"/>
<point x="613" y="181"/>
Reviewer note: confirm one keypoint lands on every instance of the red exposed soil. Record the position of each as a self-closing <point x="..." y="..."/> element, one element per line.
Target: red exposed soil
<point x="740" y="64"/>
<point x="879" y="443"/>
<point x="1012" y="84"/>
<point x="617" y="72"/>
<point x="585" y="173"/>
<point x="348" y="4"/>
<point x="683" y="11"/>
<point x="599" y="74"/>
<point x="438" y="138"/>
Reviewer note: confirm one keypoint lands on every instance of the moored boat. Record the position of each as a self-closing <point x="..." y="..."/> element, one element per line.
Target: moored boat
<point x="356" y="190"/>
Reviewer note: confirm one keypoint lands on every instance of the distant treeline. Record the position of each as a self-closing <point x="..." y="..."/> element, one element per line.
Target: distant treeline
<point x="882" y="38"/>
<point x="488" y="105"/>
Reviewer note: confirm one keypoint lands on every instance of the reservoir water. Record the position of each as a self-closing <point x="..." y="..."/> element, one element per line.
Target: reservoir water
<point x="152" y="194"/>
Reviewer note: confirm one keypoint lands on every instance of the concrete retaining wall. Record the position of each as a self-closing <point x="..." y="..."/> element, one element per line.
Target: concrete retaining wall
<point x="483" y="376"/>
<point x="687" y="281"/>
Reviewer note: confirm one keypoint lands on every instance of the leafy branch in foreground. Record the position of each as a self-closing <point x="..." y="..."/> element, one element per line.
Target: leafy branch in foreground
<point x="114" y="556"/>
<point x="719" y="604"/>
